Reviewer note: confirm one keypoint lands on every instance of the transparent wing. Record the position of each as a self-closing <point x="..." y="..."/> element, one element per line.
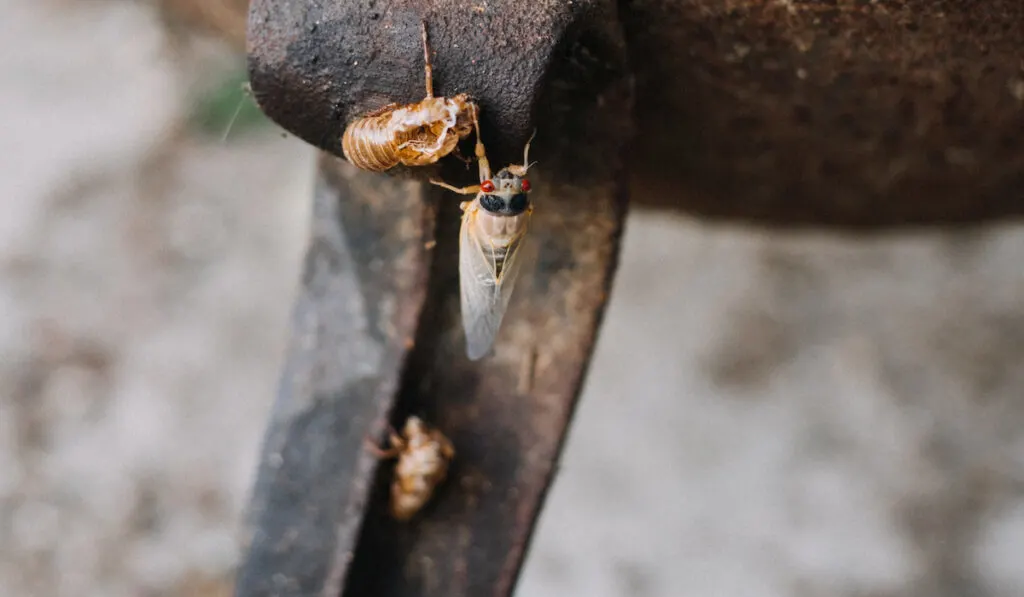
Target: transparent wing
<point x="487" y="276"/>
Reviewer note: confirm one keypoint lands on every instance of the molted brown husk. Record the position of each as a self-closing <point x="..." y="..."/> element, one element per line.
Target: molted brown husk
<point x="416" y="135"/>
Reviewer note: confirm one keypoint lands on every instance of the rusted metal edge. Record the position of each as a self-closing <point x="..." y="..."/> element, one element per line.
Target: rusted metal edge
<point x="508" y="414"/>
<point x="849" y="116"/>
<point x="363" y="286"/>
<point x="377" y="337"/>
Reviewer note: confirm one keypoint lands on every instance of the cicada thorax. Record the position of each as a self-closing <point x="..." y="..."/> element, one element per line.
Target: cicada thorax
<point x="499" y="233"/>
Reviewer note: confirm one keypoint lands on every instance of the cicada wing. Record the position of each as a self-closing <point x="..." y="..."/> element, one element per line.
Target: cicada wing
<point x="487" y="276"/>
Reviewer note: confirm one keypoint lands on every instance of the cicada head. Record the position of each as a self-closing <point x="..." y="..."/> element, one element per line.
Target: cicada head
<point x="506" y="194"/>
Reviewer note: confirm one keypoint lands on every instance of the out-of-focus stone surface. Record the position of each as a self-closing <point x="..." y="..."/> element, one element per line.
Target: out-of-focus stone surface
<point x="803" y="416"/>
<point x="226" y="18"/>
<point x="146" y="276"/>
<point x="765" y="416"/>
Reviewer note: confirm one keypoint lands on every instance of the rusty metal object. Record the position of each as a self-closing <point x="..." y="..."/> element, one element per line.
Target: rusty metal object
<point x="363" y="287"/>
<point x="315" y="67"/>
<point x="841" y="114"/>
<point x="851" y="114"/>
<point x="378" y="334"/>
<point x="854" y="114"/>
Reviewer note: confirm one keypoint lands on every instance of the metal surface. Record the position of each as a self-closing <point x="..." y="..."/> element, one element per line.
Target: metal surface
<point x="316" y="66"/>
<point x="362" y="292"/>
<point x="848" y="115"/>
<point x="830" y="114"/>
<point x="377" y="333"/>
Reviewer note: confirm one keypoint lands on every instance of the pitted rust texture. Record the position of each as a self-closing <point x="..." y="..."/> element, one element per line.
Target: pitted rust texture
<point x="314" y="66"/>
<point x="848" y="113"/>
<point x="843" y="113"/>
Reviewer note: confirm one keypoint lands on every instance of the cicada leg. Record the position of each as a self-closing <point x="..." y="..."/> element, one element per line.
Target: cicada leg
<point x="481" y="154"/>
<point x="397" y="445"/>
<point x="470" y="190"/>
<point x="458" y="155"/>
<point x="426" y="148"/>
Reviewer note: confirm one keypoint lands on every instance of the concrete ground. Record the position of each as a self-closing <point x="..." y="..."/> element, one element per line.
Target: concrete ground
<point x="766" y="415"/>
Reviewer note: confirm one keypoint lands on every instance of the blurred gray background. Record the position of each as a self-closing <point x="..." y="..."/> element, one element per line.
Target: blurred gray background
<point x="767" y="415"/>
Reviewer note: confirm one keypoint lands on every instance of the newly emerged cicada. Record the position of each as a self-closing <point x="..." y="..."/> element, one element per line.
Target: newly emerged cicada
<point x="413" y="134"/>
<point x="491" y="240"/>
<point x="423" y="456"/>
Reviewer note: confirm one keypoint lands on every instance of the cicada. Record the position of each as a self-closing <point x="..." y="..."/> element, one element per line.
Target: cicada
<point x="412" y="134"/>
<point x="491" y="239"/>
<point x="423" y="456"/>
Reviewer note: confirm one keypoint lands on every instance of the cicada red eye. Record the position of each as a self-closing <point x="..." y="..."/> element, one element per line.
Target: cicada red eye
<point x="526" y="185"/>
<point x="487" y="186"/>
